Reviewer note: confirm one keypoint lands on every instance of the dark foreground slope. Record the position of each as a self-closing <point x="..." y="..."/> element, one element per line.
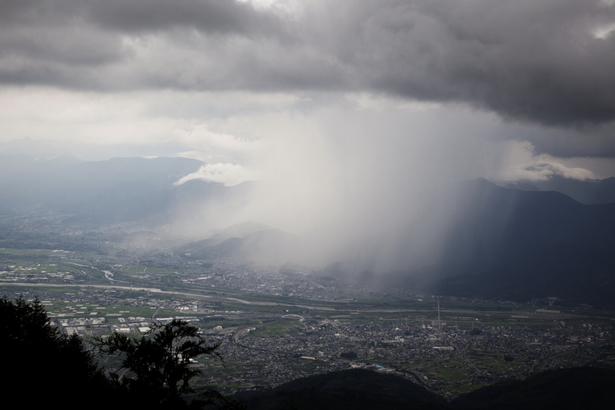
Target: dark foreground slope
<point x="40" y="365"/>
<point x="347" y="389"/>
<point x="580" y="388"/>
<point x="562" y="389"/>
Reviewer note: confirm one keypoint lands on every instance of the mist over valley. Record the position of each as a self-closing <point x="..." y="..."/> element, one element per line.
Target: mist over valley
<point x="412" y="195"/>
<point x="475" y="239"/>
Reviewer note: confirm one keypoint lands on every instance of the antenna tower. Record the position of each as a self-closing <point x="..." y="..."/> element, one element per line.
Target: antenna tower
<point x="439" y="322"/>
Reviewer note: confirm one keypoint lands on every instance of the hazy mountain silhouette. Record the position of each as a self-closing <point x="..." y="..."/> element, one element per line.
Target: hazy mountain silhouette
<point x="234" y="231"/>
<point x="249" y="240"/>
<point x="101" y="192"/>
<point x="520" y="244"/>
<point x="479" y="239"/>
<point x="591" y="191"/>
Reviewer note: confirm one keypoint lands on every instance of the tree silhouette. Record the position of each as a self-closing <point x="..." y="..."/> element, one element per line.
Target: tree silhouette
<point x="39" y="362"/>
<point x="157" y="368"/>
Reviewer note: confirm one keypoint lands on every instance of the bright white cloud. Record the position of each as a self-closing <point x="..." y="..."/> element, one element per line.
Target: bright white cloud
<point x="520" y="163"/>
<point x="228" y="174"/>
<point x="604" y="31"/>
<point x="543" y="171"/>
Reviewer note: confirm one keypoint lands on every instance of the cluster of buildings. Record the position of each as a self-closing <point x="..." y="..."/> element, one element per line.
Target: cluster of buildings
<point x="439" y="359"/>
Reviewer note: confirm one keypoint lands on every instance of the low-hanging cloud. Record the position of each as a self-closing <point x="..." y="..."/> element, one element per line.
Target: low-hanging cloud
<point x="228" y="174"/>
<point x="543" y="171"/>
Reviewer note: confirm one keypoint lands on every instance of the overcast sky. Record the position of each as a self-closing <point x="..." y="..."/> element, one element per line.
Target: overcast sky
<point x="368" y="98"/>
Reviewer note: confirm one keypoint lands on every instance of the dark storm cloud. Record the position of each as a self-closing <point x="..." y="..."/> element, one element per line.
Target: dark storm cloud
<point x="532" y="60"/>
<point x="48" y="29"/>
<point x="87" y="44"/>
<point x="585" y="141"/>
<point x="213" y="16"/>
<point x="536" y="61"/>
<point x="140" y="15"/>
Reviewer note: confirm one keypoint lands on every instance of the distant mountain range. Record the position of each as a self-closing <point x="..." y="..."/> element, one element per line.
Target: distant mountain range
<point x="248" y="240"/>
<point x="104" y="192"/>
<point x="477" y="239"/>
<point x="592" y="191"/>
<point x="482" y="240"/>
<point x="521" y="244"/>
